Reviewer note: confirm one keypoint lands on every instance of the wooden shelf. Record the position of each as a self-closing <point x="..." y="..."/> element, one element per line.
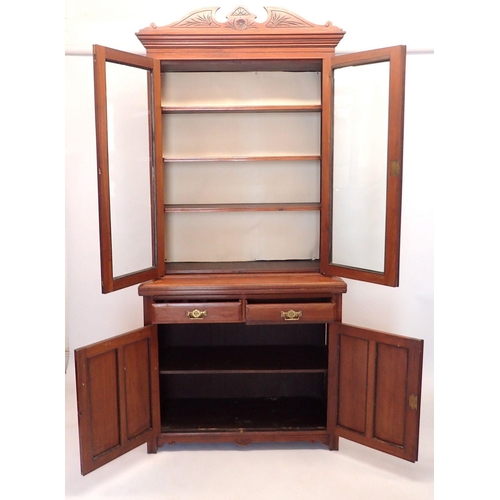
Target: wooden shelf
<point x="218" y="415"/>
<point x="243" y="158"/>
<point x="237" y="65"/>
<point x="244" y="359"/>
<point x="304" y="108"/>
<point x="283" y="266"/>
<point x="243" y="207"/>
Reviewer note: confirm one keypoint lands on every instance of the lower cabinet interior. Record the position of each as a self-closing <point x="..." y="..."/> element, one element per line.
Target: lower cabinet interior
<point x="227" y="377"/>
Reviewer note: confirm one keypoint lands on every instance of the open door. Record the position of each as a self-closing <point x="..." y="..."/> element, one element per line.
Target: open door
<point x="379" y="388"/>
<point x="364" y="182"/>
<point x="127" y="91"/>
<point x="117" y="396"/>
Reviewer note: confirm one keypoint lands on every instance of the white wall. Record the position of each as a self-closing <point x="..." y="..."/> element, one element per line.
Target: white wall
<point x="368" y="24"/>
<point x="407" y="310"/>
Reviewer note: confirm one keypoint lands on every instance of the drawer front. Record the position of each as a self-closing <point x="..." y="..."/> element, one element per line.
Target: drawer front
<point x="197" y="312"/>
<point x="290" y="313"/>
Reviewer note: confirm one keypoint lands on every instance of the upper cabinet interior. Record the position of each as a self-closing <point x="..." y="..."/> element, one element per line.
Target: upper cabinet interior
<point x="244" y="146"/>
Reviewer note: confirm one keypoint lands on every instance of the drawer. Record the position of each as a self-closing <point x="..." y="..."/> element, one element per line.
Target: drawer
<point x="307" y="312"/>
<point x="197" y="312"/>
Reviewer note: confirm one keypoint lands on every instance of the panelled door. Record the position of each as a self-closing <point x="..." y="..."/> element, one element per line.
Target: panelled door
<point x="117" y="396"/>
<point x="379" y="388"/>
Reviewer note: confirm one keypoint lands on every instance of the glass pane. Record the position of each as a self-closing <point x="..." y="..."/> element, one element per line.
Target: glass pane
<point x="360" y="136"/>
<point x="129" y="168"/>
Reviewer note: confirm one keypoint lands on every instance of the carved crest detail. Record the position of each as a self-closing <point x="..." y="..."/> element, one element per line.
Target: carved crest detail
<point x="281" y="30"/>
<point x="283" y="19"/>
<point x="241" y="19"/>
<point x="199" y="19"/>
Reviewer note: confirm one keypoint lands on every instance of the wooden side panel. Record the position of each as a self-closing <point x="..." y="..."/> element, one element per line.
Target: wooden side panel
<point x="117" y="396"/>
<point x="379" y="380"/>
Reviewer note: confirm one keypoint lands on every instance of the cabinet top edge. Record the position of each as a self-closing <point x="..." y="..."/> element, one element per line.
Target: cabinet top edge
<point x="244" y="283"/>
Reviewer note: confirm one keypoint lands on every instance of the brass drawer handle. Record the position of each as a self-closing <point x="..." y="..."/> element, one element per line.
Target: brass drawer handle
<point x="196" y="314"/>
<point x="291" y="315"/>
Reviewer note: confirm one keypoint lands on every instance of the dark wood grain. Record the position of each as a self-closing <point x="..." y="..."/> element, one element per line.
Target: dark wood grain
<point x="243" y="207"/>
<point x="244" y="359"/>
<point x="244" y="414"/>
<point x="241" y="109"/>
<point x="249" y="158"/>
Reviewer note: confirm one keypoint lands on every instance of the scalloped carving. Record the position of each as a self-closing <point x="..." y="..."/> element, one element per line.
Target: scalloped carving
<point x="204" y="18"/>
<point x="281" y="18"/>
<point x="241" y="19"/>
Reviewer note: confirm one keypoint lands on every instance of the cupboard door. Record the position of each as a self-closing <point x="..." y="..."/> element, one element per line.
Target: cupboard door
<point x="130" y="167"/>
<point x="362" y="214"/>
<point x="117" y="396"/>
<point x="379" y="387"/>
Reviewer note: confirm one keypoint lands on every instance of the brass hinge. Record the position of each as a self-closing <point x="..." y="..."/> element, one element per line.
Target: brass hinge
<point x="413" y="401"/>
<point x="395" y="168"/>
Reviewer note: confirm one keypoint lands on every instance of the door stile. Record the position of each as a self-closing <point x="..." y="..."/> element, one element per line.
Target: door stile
<point x="332" y="387"/>
<point x="157" y="187"/>
<point x="414" y="395"/>
<point x="155" y="391"/>
<point x="326" y="163"/>
<point x="121" y="367"/>
<point x="370" y="393"/>
<point x="101" y="125"/>
<point x="395" y="162"/>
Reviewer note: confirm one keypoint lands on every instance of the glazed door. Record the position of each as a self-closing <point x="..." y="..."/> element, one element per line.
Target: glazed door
<point x="379" y="387"/>
<point x="117" y="396"/>
<point x="362" y="186"/>
<point x="130" y="167"/>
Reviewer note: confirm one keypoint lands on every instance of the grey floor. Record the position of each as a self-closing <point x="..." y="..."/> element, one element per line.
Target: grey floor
<point x="257" y="472"/>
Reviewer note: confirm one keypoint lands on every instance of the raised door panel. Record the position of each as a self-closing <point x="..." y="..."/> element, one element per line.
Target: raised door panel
<point x="353" y="387"/>
<point x="117" y="396"/>
<point x="379" y="386"/>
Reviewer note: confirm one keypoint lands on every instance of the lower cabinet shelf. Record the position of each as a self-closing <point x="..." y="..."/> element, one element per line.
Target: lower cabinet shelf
<point x="237" y="378"/>
<point x="244" y="359"/>
<point x="243" y="414"/>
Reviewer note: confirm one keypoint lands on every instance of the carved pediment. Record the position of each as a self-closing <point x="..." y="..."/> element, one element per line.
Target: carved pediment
<point x="202" y="28"/>
<point x="242" y="19"/>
